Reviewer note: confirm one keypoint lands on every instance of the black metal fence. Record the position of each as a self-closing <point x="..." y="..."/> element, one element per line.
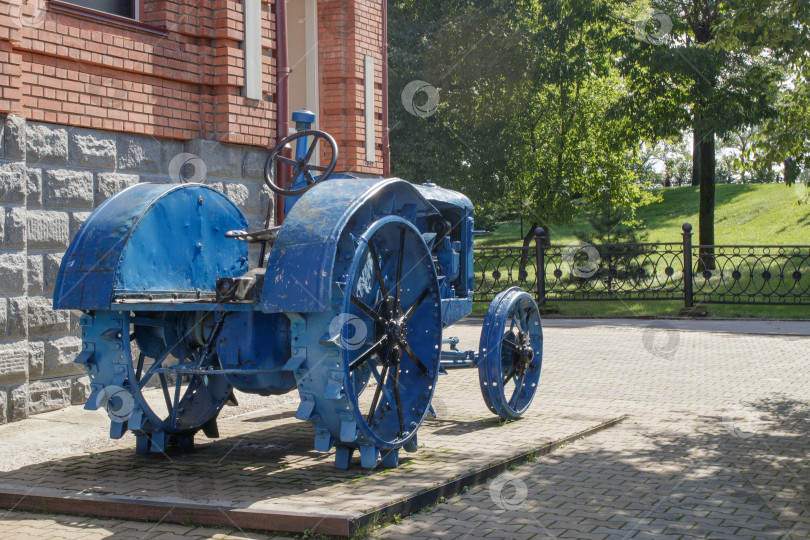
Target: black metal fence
<point x="718" y="274"/>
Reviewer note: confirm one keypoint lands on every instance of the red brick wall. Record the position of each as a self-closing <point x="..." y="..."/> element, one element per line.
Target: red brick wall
<point x="74" y="70"/>
<point x="186" y="84"/>
<point x="348" y="30"/>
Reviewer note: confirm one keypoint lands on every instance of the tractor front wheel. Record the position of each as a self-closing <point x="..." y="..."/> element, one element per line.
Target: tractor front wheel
<point x="510" y="353"/>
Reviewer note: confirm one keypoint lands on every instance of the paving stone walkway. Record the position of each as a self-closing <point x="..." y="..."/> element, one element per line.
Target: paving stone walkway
<point x="717" y="446"/>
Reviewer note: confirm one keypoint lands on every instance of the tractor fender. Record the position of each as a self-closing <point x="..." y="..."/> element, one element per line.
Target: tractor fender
<point x="299" y="268"/>
<point x="162" y="238"/>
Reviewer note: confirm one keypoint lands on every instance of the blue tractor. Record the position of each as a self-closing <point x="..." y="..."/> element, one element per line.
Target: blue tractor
<point x="348" y="308"/>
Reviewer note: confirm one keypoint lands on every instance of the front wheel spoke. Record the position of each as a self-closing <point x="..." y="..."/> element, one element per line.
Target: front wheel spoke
<point x="375" y="259"/>
<point x="357" y="362"/>
<point x="518" y="390"/>
<point x="362" y="306"/>
<point x="377" y="393"/>
<point x="509" y="376"/>
<point x="415" y="306"/>
<point x="309" y="179"/>
<point x="412" y="355"/>
<point x="317" y="168"/>
<point x="512" y="320"/>
<point x="511" y="346"/>
<point x="524" y="320"/>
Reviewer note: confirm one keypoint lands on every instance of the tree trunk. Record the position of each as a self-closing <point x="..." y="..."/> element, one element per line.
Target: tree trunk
<point x="695" y="155"/>
<point x="706" y="217"/>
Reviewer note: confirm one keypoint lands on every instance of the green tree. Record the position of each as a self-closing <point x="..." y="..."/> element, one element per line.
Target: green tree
<point x="525" y="89"/>
<point x="644" y="164"/>
<point x="779" y="29"/>
<point x="611" y="223"/>
<point x="743" y="141"/>
<point x="464" y="141"/>
<point x="677" y="157"/>
<point x="680" y="79"/>
<point x="616" y="234"/>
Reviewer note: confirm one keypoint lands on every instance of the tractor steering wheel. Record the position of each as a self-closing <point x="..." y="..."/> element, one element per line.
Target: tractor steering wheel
<point x="301" y="165"/>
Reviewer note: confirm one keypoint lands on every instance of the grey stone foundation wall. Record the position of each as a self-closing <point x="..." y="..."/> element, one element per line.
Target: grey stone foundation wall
<point x="51" y="178"/>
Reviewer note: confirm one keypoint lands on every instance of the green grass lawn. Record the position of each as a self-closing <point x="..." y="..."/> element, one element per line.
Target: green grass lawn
<point x="763" y="214"/>
<point x="744" y="214"/>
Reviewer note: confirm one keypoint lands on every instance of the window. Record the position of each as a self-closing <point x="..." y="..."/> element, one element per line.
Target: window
<point x="122" y="8"/>
<point x="125" y="13"/>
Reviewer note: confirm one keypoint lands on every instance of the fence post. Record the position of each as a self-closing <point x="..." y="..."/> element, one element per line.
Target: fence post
<point x="687" y="265"/>
<point x="540" y="262"/>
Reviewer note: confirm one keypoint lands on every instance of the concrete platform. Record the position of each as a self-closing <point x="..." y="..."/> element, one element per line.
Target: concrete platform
<point x="263" y="474"/>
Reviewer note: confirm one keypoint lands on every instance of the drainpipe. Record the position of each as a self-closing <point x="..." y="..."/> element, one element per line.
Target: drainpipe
<point x="386" y="148"/>
<point x="282" y="101"/>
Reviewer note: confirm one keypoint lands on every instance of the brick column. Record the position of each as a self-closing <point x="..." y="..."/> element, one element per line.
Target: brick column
<point x="348" y="32"/>
<point x="10" y="69"/>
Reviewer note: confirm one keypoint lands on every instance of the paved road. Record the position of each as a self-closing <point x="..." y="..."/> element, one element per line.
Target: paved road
<point x="716" y="446"/>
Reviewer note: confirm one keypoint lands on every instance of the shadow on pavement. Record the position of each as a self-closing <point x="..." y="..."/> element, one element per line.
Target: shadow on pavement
<point x="739" y="473"/>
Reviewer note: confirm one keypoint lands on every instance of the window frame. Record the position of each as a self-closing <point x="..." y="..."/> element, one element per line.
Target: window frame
<point x="59" y="6"/>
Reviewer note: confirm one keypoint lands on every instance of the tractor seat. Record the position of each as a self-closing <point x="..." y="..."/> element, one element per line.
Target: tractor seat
<point x="267" y="235"/>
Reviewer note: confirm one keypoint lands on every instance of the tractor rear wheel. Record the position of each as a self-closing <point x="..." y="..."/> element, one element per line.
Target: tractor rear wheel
<point x="371" y="382"/>
<point x="134" y="374"/>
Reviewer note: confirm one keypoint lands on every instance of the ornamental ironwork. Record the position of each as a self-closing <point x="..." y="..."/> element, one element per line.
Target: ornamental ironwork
<point x="648" y="271"/>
